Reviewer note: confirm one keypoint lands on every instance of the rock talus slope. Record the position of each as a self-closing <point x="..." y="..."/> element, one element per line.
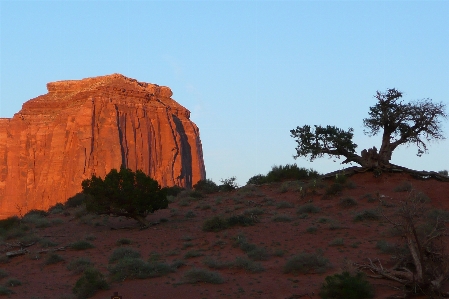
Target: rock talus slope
<point x="89" y="126"/>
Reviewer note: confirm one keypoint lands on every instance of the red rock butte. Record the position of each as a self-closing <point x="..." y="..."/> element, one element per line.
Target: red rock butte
<point x="89" y="126"/>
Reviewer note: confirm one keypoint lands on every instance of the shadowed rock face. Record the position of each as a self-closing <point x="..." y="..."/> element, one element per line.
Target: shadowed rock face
<point x="89" y="126"/>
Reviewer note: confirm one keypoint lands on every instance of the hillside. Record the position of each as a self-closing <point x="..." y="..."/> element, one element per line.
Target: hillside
<point x="248" y="261"/>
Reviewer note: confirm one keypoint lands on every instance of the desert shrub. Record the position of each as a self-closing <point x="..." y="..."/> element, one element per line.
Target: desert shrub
<point x="136" y="268"/>
<point x="79" y="265"/>
<point x="75" y="201"/>
<point x="3" y="273"/>
<point x="9" y="223"/>
<point x="56" y="209"/>
<point x="40" y="213"/>
<point x="441" y="215"/>
<point x="125" y="193"/>
<point x="206" y="186"/>
<point x="123" y="252"/>
<point x="284" y="205"/>
<point x="215" y="224"/>
<point x="195" y="275"/>
<point x="53" y="258"/>
<point x="311" y="229"/>
<point x="172" y="191"/>
<point x="290" y="172"/>
<point x="341" y="178"/>
<point x="367" y="215"/>
<point x="258" y="254"/>
<point x="241" y="219"/>
<point x="192" y="253"/>
<point x="281" y="218"/>
<point x="228" y="184"/>
<point x="190" y="214"/>
<point x="81" y="245"/>
<point x="336" y="242"/>
<point x="254" y="211"/>
<point x="13" y="282"/>
<point x="306" y="263"/>
<point x="216" y="264"/>
<point x="386" y="247"/>
<point x="334" y="189"/>
<point x="443" y="172"/>
<point x="347" y="202"/>
<point x="405" y="186"/>
<point x="307" y="208"/>
<point x="91" y="281"/>
<point x="123" y="241"/>
<point x="247" y="264"/>
<point x="5" y="291"/>
<point x="346" y="286"/>
<point x="258" y="179"/>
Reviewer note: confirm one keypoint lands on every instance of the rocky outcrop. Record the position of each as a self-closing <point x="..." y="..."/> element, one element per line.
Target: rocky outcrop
<point x="89" y="126"/>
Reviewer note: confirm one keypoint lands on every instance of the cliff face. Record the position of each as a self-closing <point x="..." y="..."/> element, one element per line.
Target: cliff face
<point x="89" y="126"/>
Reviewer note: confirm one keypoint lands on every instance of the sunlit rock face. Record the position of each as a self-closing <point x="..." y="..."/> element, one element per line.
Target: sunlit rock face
<point x="89" y="126"/>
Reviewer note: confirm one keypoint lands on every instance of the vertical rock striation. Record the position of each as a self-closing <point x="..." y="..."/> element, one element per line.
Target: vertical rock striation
<point x="89" y="126"/>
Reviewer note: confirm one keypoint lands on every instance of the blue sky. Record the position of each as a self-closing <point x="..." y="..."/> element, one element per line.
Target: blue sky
<point x="249" y="71"/>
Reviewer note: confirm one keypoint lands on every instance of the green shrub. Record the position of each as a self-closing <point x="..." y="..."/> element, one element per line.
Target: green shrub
<point x="334" y="189"/>
<point x="443" y="172"/>
<point x="190" y="214"/>
<point x="172" y="191"/>
<point x="336" y="242"/>
<point x="228" y="184"/>
<point x="123" y="241"/>
<point x="206" y="186"/>
<point x="215" y="224"/>
<point x="247" y="264"/>
<point x="5" y="291"/>
<point x="347" y="202"/>
<point x="367" y="215"/>
<point x="3" y="273"/>
<point x="81" y="245"/>
<point x="307" y="208"/>
<point x="91" y="281"/>
<point x="195" y="275"/>
<point x="254" y="211"/>
<point x="281" y="218"/>
<point x="242" y="220"/>
<point x="13" y="282"/>
<point x="79" y="265"/>
<point x="136" y="268"/>
<point x="258" y="254"/>
<point x="306" y="263"/>
<point x="123" y="252"/>
<point x="192" y="253"/>
<point x="35" y="212"/>
<point x="10" y="222"/>
<point x="386" y="247"/>
<point x="290" y="172"/>
<point x="311" y="229"/>
<point x="75" y="201"/>
<point x="56" y="209"/>
<point x="346" y="286"/>
<point x="258" y="179"/>
<point x="405" y="186"/>
<point x="284" y="205"/>
<point x="341" y="178"/>
<point x="53" y="258"/>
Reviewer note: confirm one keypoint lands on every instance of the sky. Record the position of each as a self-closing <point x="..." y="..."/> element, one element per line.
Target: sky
<point x="249" y="71"/>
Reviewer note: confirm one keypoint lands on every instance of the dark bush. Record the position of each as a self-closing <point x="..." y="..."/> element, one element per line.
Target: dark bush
<point x="136" y="268"/>
<point x="367" y="215"/>
<point x="307" y="262"/>
<point x="228" y="185"/>
<point x="347" y="202"/>
<point x="79" y="265"/>
<point x="195" y="275"/>
<point x="334" y="189"/>
<point x="81" y="245"/>
<point x="123" y="252"/>
<point x="172" y="191"/>
<point x="290" y="172"/>
<point x="206" y="186"/>
<point x="10" y="222"/>
<point x="75" y="201"/>
<point x="242" y="220"/>
<point x="91" y="281"/>
<point x="257" y="180"/>
<point x="215" y="224"/>
<point x="346" y="286"/>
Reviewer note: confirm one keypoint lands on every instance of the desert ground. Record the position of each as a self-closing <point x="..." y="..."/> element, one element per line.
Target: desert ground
<point x="240" y="261"/>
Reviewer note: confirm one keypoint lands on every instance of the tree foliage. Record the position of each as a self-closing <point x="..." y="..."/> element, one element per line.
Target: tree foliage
<point x="414" y="123"/>
<point x="124" y="193"/>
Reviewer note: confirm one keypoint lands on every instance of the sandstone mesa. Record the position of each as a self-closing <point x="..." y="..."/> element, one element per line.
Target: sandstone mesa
<point x="89" y="126"/>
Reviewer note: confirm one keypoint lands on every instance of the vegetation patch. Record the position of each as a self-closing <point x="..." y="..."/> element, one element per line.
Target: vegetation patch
<point x="347" y="286"/>
<point x="81" y="245"/>
<point x="307" y="208"/>
<point x="122" y="253"/>
<point x="367" y="215"/>
<point x="91" y="281"/>
<point x="79" y="265"/>
<point x="196" y="275"/>
<point x="307" y="263"/>
<point x="347" y="202"/>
